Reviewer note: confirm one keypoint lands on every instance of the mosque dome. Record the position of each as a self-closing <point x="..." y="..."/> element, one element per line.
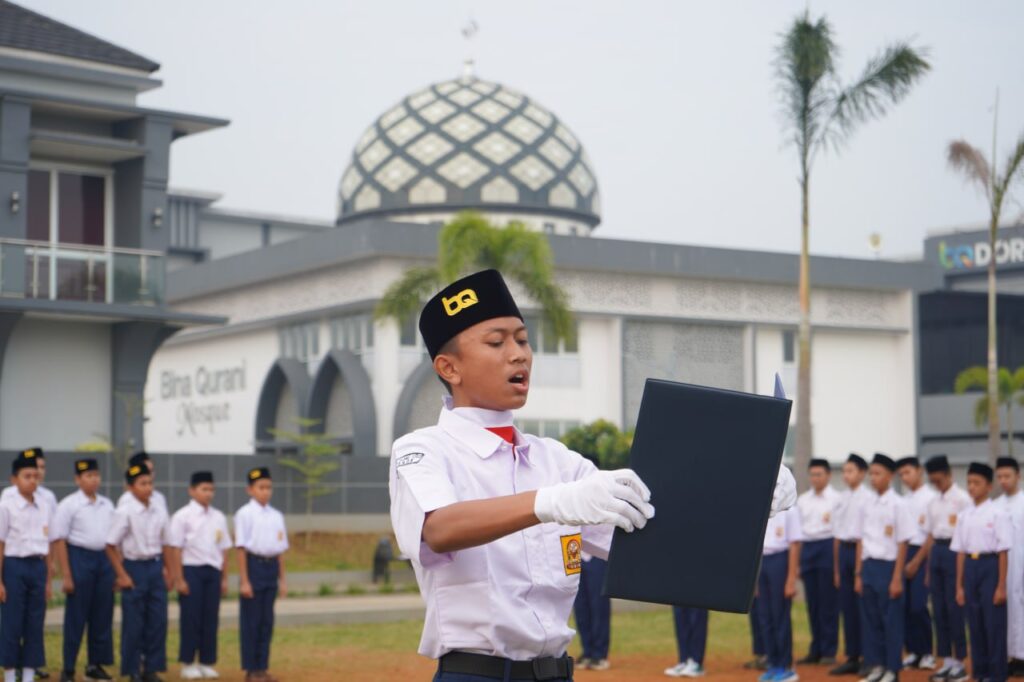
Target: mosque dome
<point x="469" y="144"/>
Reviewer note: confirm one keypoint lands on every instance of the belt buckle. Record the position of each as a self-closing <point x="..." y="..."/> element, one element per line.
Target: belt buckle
<point x="545" y="668"/>
<point x="976" y="556"/>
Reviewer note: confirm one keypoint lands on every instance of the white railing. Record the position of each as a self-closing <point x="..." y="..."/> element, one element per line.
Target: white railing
<point x="77" y="272"/>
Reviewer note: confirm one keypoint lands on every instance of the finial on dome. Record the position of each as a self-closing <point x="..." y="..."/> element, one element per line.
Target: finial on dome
<point x="468" y="72"/>
<point x="469" y="31"/>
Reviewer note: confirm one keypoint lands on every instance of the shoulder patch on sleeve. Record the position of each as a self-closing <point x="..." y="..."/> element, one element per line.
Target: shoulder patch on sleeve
<point x="408" y="458"/>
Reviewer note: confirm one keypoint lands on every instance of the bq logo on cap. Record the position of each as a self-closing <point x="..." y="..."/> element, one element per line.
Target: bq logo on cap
<point x="135" y="470"/>
<point x="459" y="302"/>
<point x="82" y="466"/>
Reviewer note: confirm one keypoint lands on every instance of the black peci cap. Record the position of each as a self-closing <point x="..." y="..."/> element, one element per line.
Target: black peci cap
<point x="884" y="461"/>
<point x="139" y="458"/>
<point x="26" y="459"/>
<point x="979" y="469"/>
<point x="83" y="465"/>
<point x="134" y="471"/>
<point x="908" y="461"/>
<point x="201" y="477"/>
<point x="1008" y="462"/>
<point x="818" y="462"/>
<point x="36" y="452"/>
<point x="857" y="461"/>
<point x="937" y="464"/>
<point x="469" y="301"/>
<point x="257" y="473"/>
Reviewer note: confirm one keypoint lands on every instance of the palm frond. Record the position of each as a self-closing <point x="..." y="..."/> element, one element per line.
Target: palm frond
<point x="981" y="411"/>
<point x="971" y="378"/>
<point x="464" y="244"/>
<point x="1014" y="165"/>
<point x="404" y="298"/>
<point x="1017" y="380"/>
<point x="971" y="163"/>
<point x="887" y="79"/>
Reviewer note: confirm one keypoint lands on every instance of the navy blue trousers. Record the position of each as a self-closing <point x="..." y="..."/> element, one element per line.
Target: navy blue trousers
<point x="918" y="638"/>
<point x="256" y="615"/>
<point x="986" y="621"/>
<point x="773" y="610"/>
<point x="756" y="643"/>
<point x="144" y="619"/>
<point x="849" y="601"/>
<point x="950" y="636"/>
<point x="200" y="614"/>
<point x="691" y="633"/>
<point x="22" y="615"/>
<point x="881" y="616"/>
<point x="817" y="572"/>
<point x="593" y="611"/>
<point x="90" y="605"/>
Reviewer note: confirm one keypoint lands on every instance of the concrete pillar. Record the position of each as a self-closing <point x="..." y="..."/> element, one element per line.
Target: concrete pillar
<point x="132" y="347"/>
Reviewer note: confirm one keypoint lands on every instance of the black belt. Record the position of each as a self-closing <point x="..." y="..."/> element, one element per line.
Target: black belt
<point x="32" y="557"/>
<point x="145" y="559"/>
<point x="982" y="555"/>
<point x="264" y="559"/>
<point x="848" y="543"/>
<point x="945" y="542"/>
<point x="548" y="668"/>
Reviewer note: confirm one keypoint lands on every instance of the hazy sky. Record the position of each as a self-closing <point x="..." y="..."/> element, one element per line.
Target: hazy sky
<point x="675" y="102"/>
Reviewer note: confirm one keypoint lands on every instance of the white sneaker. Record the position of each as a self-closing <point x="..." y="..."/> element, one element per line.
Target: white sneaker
<point x="889" y="676"/>
<point x="693" y="669"/>
<point x="208" y="672"/>
<point x="191" y="672"/>
<point x="677" y="670"/>
<point x="875" y="675"/>
<point x="927" y="662"/>
<point x="910" y="660"/>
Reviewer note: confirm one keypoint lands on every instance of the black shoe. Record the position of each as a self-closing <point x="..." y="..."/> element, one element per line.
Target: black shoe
<point x="96" y="673"/>
<point x="851" y="667"/>
<point x="759" y="663"/>
<point x="151" y="677"/>
<point x="67" y="676"/>
<point x="957" y="675"/>
<point x="940" y="676"/>
<point x="809" y="659"/>
<point x="827" y="660"/>
<point x="135" y="678"/>
<point x="42" y="674"/>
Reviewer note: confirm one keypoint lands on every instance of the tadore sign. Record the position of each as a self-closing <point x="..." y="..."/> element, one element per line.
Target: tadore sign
<point x="969" y="256"/>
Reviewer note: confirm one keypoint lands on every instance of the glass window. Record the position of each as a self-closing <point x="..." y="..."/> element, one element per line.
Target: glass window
<point x="38" y="205"/>
<point x="789" y="346"/>
<point x="81" y="209"/>
<point x="549" y="228"/>
<point x="548" y="338"/>
<point x="369" y="331"/>
<point x="410" y="334"/>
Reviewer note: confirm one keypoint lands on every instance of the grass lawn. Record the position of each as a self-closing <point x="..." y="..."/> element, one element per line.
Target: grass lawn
<point x="332" y="552"/>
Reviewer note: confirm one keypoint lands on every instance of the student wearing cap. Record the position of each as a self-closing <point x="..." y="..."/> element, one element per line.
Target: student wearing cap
<point x="981" y="540"/>
<point x="492" y="516"/>
<point x="199" y="535"/>
<point x="157" y="498"/>
<point x="886" y="527"/>
<point x="943" y="511"/>
<point x="817" y="507"/>
<point x="918" y="495"/>
<point x="24" y="571"/>
<point x="79" y="541"/>
<point x="852" y="503"/>
<point x="776" y="587"/>
<point x="1012" y="501"/>
<point x="262" y="540"/>
<point x="138" y="551"/>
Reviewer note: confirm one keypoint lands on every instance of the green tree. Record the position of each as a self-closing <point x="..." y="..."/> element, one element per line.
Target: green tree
<point x="820" y="112"/>
<point x="316" y="456"/>
<point x="468" y="243"/>
<point x="1010" y="391"/>
<point x="602" y="441"/>
<point x="972" y="164"/>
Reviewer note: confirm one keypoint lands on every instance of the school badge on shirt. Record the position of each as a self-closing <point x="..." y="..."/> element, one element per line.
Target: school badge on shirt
<point x="779" y="531"/>
<point x="572" y="553"/>
<point x="826" y="517"/>
<point x="952" y="519"/>
<point x="218" y="536"/>
<point x="920" y="520"/>
<point x="888" y="531"/>
<point x="280" y="535"/>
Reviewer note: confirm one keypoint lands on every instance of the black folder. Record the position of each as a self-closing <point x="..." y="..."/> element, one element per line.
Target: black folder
<point x="711" y="458"/>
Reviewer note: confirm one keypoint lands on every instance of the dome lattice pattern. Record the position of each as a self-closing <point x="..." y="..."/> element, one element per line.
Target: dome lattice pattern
<point x="469" y="143"/>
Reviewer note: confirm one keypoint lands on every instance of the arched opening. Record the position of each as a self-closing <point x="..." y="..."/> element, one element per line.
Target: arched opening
<point x="420" y="400"/>
<point x="342" y="399"/>
<point x="282" y="401"/>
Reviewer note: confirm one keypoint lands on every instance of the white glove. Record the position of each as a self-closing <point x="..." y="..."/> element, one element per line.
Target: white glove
<point x="618" y="497"/>
<point x="784" y="496"/>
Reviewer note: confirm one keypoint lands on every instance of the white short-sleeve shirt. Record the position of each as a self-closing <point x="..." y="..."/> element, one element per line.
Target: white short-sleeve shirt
<point x="511" y="597"/>
<point x="817" y="513"/>
<point x="918" y="502"/>
<point x="259" y="529"/>
<point x="139" y="530"/>
<point x="850" y="510"/>
<point x="83" y="522"/>
<point x="201" y="533"/>
<point x="944" y="510"/>
<point x="886" y="523"/>
<point x="45" y="497"/>
<point x="24" y="526"/>
<point x="983" y="529"/>
<point x="783" y="530"/>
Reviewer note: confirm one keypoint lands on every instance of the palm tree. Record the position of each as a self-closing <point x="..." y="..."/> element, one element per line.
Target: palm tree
<point x="971" y="162"/>
<point x="468" y="243"/>
<point x="1011" y="391"/>
<point x="820" y="112"/>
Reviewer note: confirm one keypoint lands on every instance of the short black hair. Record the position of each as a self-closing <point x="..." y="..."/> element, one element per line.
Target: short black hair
<point x="450" y="347"/>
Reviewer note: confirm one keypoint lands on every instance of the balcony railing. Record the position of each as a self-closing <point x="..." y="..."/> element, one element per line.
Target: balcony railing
<point x="75" y="272"/>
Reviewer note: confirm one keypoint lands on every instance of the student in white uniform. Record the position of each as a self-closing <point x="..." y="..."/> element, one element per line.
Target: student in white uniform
<point x="1012" y="502"/>
<point x="199" y="534"/>
<point x="491" y="516"/>
<point x="943" y="511"/>
<point x="886" y="527"/>
<point x="817" y="563"/>
<point x="776" y="587"/>
<point x="918" y="495"/>
<point x="981" y="540"/>
<point x="157" y="498"/>
<point x="852" y="502"/>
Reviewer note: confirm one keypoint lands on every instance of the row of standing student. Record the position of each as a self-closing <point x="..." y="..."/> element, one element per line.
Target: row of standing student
<point x="865" y="553"/>
<point x="141" y="551"/>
